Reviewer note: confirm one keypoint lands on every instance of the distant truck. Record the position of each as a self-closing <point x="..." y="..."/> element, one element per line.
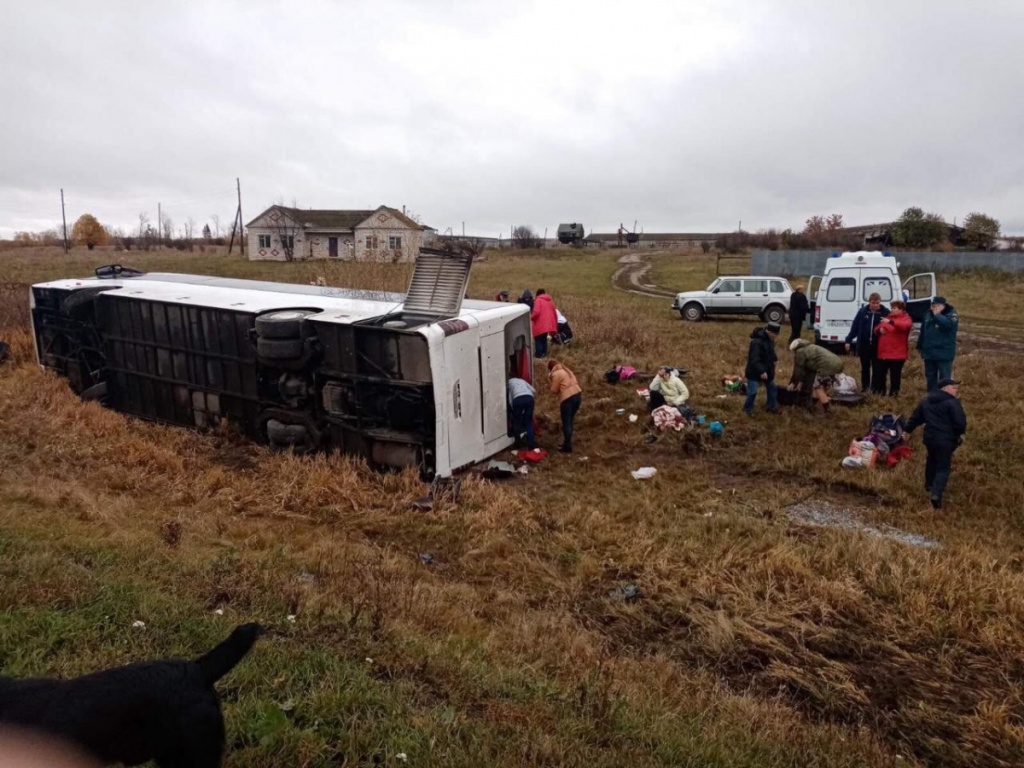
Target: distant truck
<point x="415" y="380"/>
<point x="571" y="234"/>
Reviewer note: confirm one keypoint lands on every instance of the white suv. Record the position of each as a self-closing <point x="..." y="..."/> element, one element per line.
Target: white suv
<point x="766" y="297"/>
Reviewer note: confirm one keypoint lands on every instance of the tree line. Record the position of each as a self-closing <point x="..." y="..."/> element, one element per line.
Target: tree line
<point x="89" y="232"/>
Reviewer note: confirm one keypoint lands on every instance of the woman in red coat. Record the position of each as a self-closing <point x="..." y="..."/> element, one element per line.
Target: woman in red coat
<point x="893" y="346"/>
<point x="545" y="321"/>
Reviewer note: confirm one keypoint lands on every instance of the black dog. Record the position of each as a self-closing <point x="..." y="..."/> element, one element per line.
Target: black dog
<point x="166" y="711"/>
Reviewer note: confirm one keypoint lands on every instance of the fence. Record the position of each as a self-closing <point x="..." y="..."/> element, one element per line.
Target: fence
<point x="805" y="263"/>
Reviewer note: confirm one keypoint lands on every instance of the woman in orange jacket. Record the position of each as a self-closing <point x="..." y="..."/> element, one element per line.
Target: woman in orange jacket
<point x="562" y="382"/>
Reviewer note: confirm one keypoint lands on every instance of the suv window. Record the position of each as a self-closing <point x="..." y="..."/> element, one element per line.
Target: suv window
<point x="755" y="286"/>
<point x="880" y="285"/>
<point x="777" y="287"/>
<point x="729" y="286"/>
<point x="842" y="289"/>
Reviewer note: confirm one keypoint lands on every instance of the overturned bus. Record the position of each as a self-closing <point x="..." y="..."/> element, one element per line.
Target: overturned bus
<point x="415" y="380"/>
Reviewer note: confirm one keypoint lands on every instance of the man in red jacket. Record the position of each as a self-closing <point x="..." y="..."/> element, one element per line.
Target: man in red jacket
<point x="545" y="321"/>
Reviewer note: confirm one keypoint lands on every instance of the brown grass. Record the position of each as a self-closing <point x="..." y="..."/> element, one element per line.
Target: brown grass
<point x="756" y="642"/>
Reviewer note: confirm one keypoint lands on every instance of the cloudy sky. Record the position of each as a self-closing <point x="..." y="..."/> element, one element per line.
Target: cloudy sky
<point x="684" y="116"/>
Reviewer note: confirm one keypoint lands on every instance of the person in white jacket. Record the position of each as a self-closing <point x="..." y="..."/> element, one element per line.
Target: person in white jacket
<point x="667" y="389"/>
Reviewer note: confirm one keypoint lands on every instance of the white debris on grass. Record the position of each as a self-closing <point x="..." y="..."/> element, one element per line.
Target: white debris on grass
<point x="291" y="617"/>
<point x="643" y="473"/>
<point x="402" y="756"/>
<point x="219" y="611"/>
<point x="832" y="516"/>
<point x="139" y="624"/>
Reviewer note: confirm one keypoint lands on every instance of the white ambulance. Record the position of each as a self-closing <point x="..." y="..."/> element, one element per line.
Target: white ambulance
<point x="849" y="279"/>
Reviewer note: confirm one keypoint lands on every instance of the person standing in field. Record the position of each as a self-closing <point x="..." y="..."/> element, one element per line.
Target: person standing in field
<point x="863" y="332"/>
<point x="937" y="342"/>
<point x="893" y="347"/>
<point x="798" y="311"/>
<point x="562" y="383"/>
<point x="544" y="320"/>
<point x="945" y="423"/>
<point x="761" y="360"/>
<point x="814" y="371"/>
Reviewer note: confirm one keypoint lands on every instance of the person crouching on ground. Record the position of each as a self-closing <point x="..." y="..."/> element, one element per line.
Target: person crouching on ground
<point x="893" y="347"/>
<point x="667" y="389"/>
<point x="761" y="360"/>
<point x="544" y="320"/>
<point x="945" y="423"/>
<point x="521" y="398"/>
<point x="562" y="383"/>
<point x="814" y="371"/>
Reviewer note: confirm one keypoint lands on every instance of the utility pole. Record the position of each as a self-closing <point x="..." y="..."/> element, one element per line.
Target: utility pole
<point x="241" y="228"/>
<point x="463" y="229"/>
<point x="64" y="219"/>
<point x="159" y="226"/>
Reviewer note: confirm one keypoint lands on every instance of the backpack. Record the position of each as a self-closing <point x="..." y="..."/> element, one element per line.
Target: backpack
<point x="889" y="427"/>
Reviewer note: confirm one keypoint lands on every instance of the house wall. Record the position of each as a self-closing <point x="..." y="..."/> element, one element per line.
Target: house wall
<point x="383" y="225"/>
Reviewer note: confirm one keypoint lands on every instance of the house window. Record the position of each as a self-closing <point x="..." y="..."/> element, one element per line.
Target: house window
<point x="371" y="242"/>
<point x="264" y="241"/>
<point x="394" y="242"/>
<point x="288" y="242"/>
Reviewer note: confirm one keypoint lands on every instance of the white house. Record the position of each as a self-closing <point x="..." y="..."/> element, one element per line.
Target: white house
<point x="281" y="234"/>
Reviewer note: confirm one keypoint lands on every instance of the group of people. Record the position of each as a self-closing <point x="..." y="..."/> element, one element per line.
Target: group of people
<point x="562" y="384"/>
<point x="881" y="337"/>
<point x="548" y="322"/>
<point x="814" y="369"/>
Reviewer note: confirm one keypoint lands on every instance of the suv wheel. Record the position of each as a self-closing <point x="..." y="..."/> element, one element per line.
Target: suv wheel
<point x="693" y="312"/>
<point x="774" y="314"/>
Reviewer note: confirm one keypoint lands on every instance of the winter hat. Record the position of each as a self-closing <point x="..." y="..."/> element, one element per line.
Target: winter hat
<point x="949" y="383"/>
<point x="939" y="300"/>
<point x="797" y="343"/>
<point x="774" y="328"/>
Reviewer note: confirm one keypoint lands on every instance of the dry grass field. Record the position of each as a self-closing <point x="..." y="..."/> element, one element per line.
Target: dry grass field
<point x="757" y="640"/>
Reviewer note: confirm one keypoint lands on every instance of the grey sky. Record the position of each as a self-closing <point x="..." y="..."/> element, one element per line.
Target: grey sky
<point x="686" y="116"/>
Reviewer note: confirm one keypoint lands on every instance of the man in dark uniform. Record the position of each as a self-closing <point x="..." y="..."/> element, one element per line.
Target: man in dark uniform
<point x="944" y="423"/>
<point x="798" y="311"/>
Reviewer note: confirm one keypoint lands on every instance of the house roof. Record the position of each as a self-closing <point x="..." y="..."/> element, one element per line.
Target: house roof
<point x="335" y="219"/>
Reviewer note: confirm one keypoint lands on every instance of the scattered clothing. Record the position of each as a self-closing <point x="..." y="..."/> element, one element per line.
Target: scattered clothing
<point x="564" y="334"/>
<point x="667" y="417"/>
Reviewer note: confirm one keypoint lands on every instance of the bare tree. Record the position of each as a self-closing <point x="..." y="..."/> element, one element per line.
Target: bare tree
<point x="143" y="224"/>
<point x="284" y="223"/>
<point x="216" y="224"/>
<point x="166" y="228"/>
<point x="523" y="236"/>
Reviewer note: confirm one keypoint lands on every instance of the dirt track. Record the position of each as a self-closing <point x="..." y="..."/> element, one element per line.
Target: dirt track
<point x="631" y="276"/>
